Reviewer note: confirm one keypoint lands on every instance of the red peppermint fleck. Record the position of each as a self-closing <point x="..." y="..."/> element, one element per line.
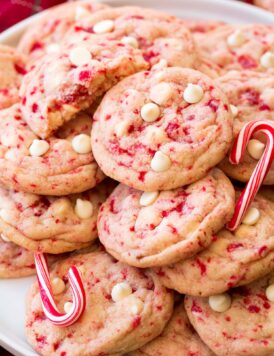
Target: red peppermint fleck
<point x="34" y="108"/>
<point x="264" y="107"/>
<point x="85" y="75"/>
<point x="20" y="69"/>
<point x="142" y="175"/>
<point x="252" y="96"/>
<point x="36" y="46"/>
<point x="247" y="62"/>
<point x="195" y="308"/>
<point x="149" y="55"/>
<point x="234" y="246"/>
<point x="213" y="104"/>
<point x="262" y="250"/>
<point x="41" y="339"/>
<point x="136" y="321"/>
<point x="254" y="309"/>
<point x="160" y="273"/>
<point x="56" y="345"/>
<point x="172" y="130"/>
<point x="112" y="207"/>
<point x="201" y="266"/>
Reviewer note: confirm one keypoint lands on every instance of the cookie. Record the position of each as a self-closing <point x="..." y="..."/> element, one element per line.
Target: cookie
<point x="62" y="84"/>
<point x="160" y="37"/>
<point x="178" y="339"/>
<point x="51" y="224"/>
<point x="12" y="70"/>
<point x="240" y="47"/>
<point x="233" y="258"/>
<point x="242" y="320"/>
<point x="163" y="39"/>
<point x="126" y="308"/>
<point x="265" y="4"/>
<point x="15" y="261"/>
<point x="198" y="26"/>
<point x="159" y="228"/>
<point x="161" y="130"/>
<point x="45" y="34"/>
<point x="252" y="97"/>
<point x="62" y="165"/>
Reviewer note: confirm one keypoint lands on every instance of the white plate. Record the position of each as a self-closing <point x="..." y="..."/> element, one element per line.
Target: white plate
<point x="12" y="296"/>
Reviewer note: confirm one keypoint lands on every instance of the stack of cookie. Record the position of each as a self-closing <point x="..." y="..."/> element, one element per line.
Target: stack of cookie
<point x="153" y="102"/>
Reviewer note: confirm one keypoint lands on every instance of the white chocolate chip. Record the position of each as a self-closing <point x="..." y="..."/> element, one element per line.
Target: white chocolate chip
<point x="79" y="56"/>
<point x="236" y="39"/>
<point x="148" y="198"/>
<point x="81" y="143"/>
<point x="38" y="148"/>
<point x="161" y="64"/>
<point x="61" y="207"/>
<point x="67" y="307"/>
<point x="160" y="162"/>
<point x="131" y="41"/>
<point x="234" y="110"/>
<point x="11" y="155"/>
<point x="81" y="12"/>
<point x="135" y="305"/>
<point x="121" y="129"/>
<point x="83" y="209"/>
<point x="58" y="285"/>
<point x="220" y="302"/>
<point x="267" y="60"/>
<point x="255" y="148"/>
<point x="150" y="112"/>
<point x="53" y="48"/>
<point x="270" y="293"/>
<point x="4" y="238"/>
<point x="252" y="216"/>
<point x="120" y="291"/>
<point x="161" y="93"/>
<point x="267" y="97"/>
<point x="6" y="215"/>
<point x="193" y="93"/>
<point x="103" y="26"/>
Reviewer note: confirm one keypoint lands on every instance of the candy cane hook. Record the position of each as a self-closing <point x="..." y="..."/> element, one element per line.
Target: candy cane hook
<point x="50" y="309"/>
<point x="260" y="172"/>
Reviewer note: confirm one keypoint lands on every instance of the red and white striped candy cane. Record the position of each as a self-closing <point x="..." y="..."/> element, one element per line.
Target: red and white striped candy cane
<point x="267" y="128"/>
<point x="50" y="309"/>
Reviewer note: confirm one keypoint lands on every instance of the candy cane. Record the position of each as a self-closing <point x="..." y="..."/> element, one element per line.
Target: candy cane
<point x="267" y="128"/>
<point x="50" y="309"/>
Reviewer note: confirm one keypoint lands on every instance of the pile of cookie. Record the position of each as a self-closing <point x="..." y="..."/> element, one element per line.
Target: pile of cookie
<point x="126" y="124"/>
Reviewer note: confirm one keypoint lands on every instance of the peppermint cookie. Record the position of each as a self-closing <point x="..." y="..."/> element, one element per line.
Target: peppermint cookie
<point x="240" y="47"/>
<point x="12" y="70"/>
<point x="15" y="261"/>
<point x="197" y="27"/>
<point x="162" y="129"/>
<point x="233" y="258"/>
<point x="178" y="339"/>
<point x="61" y="165"/>
<point x="251" y="95"/>
<point x="50" y="224"/>
<point x="265" y="4"/>
<point x="242" y="320"/>
<point x="64" y="83"/>
<point x="159" y="36"/>
<point x="125" y="309"/>
<point x="46" y="33"/>
<point x="157" y="228"/>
